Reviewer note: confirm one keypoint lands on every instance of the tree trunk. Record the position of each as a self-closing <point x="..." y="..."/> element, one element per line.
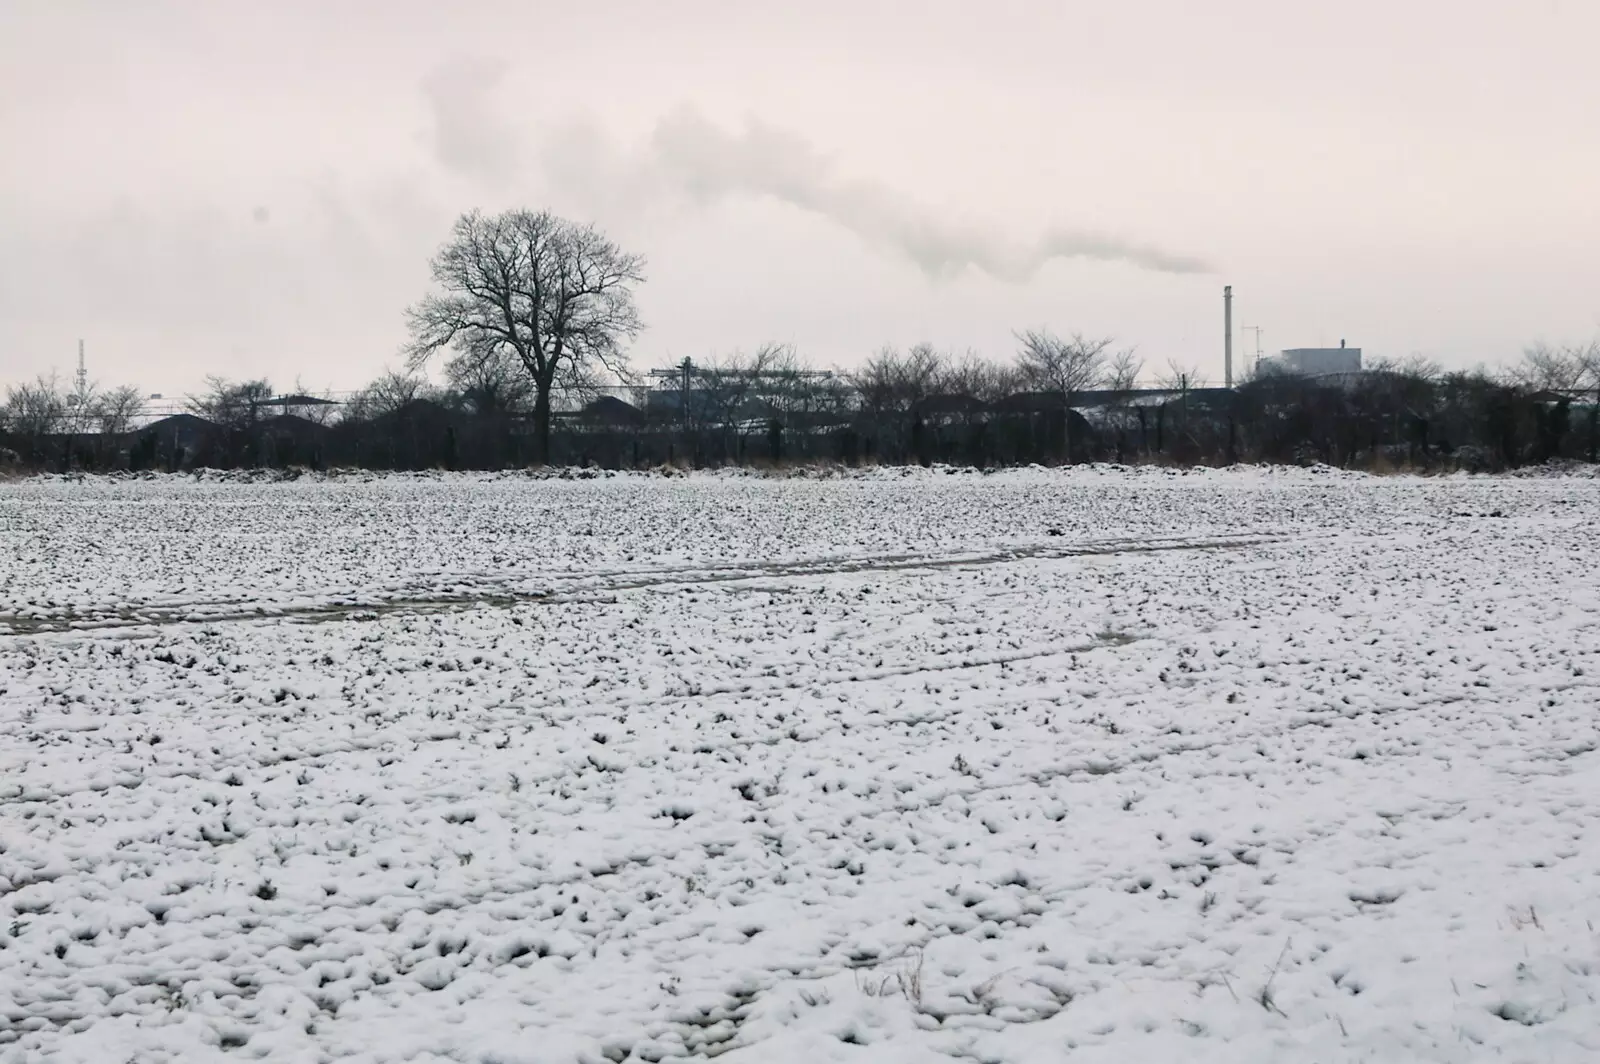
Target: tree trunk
<point x="1594" y="429"/>
<point x="541" y="422"/>
<point x="1066" y="425"/>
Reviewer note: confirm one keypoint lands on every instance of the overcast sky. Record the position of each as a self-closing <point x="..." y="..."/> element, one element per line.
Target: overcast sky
<point x="255" y="189"/>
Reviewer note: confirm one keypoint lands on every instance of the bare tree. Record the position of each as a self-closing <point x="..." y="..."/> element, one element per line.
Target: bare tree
<point x="81" y="406"/>
<point x="1051" y="364"/>
<point x="231" y="404"/>
<point x="1122" y="374"/>
<point x="794" y="389"/>
<point x="557" y="295"/>
<point x="1180" y="377"/>
<point x="306" y="403"/>
<point x="892" y="383"/>
<point x="35" y="409"/>
<point x="979" y="377"/>
<point x="1417" y="367"/>
<point x="489" y="383"/>
<point x="782" y="380"/>
<point x="730" y="385"/>
<point x="892" y="386"/>
<point x="1560" y="369"/>
<point x="1122" y="380"/>
<point x="1070" y="366"/>
<point x="387" y="393"/>
<point x="119" y="408"/>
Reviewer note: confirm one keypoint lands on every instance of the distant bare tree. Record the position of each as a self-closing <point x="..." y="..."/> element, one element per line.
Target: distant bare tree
<point x="1122" y="374"/>
<point x="893" y="383"/>
<point x="892" y="386"/>
<point x="1180" y="376"/>
<point x="1562" y="369"/>
<point x="979" y="377"/>
<point x="725" y="387"/>
<point x="229" y="403"/>
<point x="35" y="409"/>
<point x="119" y="408"/>
<point x="1122" y="380"/>
<point x="1183" y="379"/>
<point x="1417" y="367"/>
<point x="81" y="406"/>
<point x="795" y="389"/>
<point x="1568" y="369"/>
<point x="781" y="378"/>
<point x="557" y="295"/>
<point x="1069" y="366"/>
<point x="385" y="394"/>
<point x="304" y="402"/>
<point x="1421" y="367"/>
<point x="1051" y="364"/>
<point x="489" y="383"/>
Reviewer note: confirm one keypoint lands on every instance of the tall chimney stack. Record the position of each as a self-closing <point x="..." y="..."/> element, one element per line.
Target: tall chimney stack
<point x="1227" y="336"/>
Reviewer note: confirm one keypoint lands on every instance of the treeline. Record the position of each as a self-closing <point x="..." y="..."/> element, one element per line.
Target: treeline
<point x="1060" y="400"/>
<point x="532" y="313"/>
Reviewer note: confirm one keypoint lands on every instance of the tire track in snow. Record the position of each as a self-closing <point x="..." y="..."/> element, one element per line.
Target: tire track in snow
<point x="502" y="590"/>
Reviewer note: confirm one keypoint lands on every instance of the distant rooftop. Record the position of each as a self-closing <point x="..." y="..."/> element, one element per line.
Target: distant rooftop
<point x="298" y="400"/>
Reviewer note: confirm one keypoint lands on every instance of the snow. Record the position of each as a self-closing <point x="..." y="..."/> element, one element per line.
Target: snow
<point x="1101" y="765"/>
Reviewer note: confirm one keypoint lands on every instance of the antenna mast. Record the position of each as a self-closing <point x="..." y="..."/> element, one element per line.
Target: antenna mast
<point x="83" y="372"/>
<point x="1257" y="330"/>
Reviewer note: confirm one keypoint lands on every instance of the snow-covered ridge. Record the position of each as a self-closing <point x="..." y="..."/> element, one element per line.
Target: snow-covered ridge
<point x="1086" y="472"/>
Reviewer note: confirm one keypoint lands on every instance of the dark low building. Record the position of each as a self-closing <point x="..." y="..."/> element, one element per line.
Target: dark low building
<point x="291" y="440"/>
<point x="606" y="413"/>
<point x="181" y="441"/>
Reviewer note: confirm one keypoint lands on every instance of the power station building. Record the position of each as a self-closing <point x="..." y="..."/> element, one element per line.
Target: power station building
<point x="1314" y="361"/>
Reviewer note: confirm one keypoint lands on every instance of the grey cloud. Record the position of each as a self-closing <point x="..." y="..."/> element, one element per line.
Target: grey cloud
<point x="321" y="250"/>
<point x="467" y="136"/>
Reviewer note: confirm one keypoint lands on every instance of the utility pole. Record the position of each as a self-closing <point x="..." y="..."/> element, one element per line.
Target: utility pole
<point x="688" y="368"/>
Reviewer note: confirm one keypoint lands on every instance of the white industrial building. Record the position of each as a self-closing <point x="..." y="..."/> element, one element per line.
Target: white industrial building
<point x="1313" y="361"/>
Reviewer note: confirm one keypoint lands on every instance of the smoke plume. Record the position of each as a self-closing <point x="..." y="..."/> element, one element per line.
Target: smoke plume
<point x="710" y="164"/>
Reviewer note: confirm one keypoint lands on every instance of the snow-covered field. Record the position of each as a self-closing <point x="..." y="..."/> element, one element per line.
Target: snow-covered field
<point x="1098" y="766"/>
